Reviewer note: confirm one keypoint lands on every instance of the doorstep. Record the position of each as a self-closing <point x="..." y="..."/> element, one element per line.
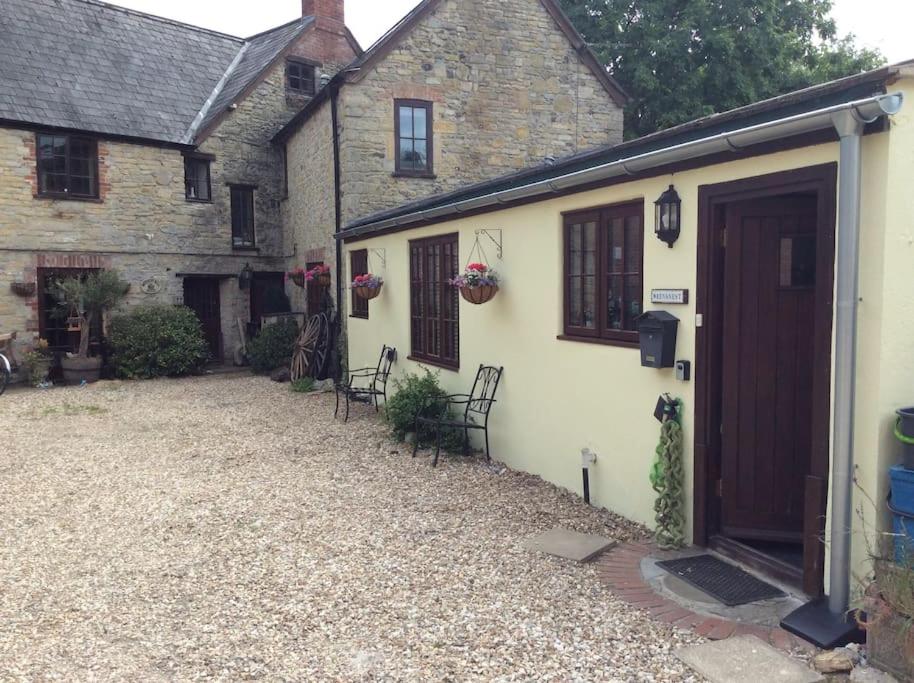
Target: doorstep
<point x="630" y="572"/>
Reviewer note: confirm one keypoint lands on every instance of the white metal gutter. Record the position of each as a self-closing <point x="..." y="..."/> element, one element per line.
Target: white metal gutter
<point x="867" y="109"/>
<point x="194" y="127"/>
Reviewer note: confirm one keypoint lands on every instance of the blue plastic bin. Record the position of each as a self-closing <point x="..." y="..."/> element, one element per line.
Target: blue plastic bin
<point x="902" y="481"/>
<point x="904" y="540"/>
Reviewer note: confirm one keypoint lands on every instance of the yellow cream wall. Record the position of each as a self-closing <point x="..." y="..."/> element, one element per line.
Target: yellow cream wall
<point x="558" y="397"/>
<point x="885" y="355"/>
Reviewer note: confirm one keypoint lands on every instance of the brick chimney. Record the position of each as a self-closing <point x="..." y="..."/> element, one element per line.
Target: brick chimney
<point x="329" y="14"/>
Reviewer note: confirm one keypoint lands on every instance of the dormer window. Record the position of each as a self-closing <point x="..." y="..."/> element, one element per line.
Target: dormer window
<point x="300" y="77"/>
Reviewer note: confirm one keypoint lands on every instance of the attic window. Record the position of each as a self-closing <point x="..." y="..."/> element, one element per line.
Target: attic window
<point x="300" y="77"/>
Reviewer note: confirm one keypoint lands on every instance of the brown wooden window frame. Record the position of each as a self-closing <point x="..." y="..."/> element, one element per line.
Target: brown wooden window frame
<point x="202" y="161"/>
<point x="67" y="173"/>
<point x="358" y="265"/>
<point x="297" y="71"/>
<point x="421" y="292"/>
<point x="238" y="231"/>
<point x="429" y="170"/>
<point x="603" y="216"/>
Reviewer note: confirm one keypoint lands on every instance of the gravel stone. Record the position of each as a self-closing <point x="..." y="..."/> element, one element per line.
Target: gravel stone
<point x="225" y="528"/>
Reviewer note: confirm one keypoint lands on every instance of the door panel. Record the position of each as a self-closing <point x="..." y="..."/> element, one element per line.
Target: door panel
<point x="201" y="295"/>
<point x="768" y="365"/>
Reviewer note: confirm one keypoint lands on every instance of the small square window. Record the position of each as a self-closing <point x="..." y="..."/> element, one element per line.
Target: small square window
<point x="67" y="166"/>
<point x="300" y="78"/>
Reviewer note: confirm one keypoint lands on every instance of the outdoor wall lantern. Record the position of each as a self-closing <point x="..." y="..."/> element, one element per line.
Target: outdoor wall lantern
<point x="245" y="276"/>
<point x="668" y="217"/>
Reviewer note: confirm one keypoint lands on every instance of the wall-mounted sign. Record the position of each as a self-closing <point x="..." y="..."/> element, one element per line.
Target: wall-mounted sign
<point x="669" y="296"/>
<point x="151" y="286"/>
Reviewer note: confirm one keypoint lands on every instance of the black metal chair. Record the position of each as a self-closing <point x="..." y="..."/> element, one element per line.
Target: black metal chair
<point x="477" y="405"/>
<point x="366" y="384"/>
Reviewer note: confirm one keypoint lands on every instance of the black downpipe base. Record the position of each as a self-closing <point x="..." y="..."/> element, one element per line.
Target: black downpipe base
<point x="816" y="623"/>
<point x="586" y="475"/>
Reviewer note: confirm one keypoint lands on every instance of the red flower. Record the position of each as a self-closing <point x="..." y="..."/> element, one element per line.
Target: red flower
<point x="479" y="267"/>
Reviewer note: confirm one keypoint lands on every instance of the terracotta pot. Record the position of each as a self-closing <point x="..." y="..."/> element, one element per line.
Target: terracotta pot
<point x="77" y="370"/>
<point x="368" y="292"/>
<point x="298" y="279"/>
<point x="479" y="295"/>
<point x="889" y="638"/>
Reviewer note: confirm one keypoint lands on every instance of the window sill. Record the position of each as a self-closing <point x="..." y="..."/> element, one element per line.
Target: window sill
<point x="437" y="363"/>
<point x="358" y="317"/>
<point x="407" y="174"/>
<point x="624" y="343"/>
<point x="198" y="201"/>
<point x="67" y="198"/>
<point x="253" y="249"/>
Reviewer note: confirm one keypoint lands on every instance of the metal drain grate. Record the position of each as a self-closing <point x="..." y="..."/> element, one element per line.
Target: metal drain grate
<point x="722" y="581"/>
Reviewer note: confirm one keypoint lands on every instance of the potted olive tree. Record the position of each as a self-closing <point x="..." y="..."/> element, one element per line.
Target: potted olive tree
<point x="83" y="301"/>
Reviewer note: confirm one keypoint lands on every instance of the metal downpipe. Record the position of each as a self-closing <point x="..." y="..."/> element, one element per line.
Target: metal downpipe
<point x="850" y="130"/>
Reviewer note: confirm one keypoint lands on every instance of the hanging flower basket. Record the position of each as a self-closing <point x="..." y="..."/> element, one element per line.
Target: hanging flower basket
<point x="24" y="289"/>
<point x="74" y="323"/>
<point x="478" y="284"/>
<point x="297" y="276"/>
<point x="367" y="286"/>
<point x="479" y="295"/>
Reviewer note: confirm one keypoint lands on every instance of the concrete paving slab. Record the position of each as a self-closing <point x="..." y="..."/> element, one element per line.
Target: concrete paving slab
<point x="569" y="544"/>
<point x="745" y="659"/>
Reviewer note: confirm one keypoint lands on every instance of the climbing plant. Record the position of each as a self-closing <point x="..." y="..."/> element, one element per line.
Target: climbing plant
<point x="667" y="480"/>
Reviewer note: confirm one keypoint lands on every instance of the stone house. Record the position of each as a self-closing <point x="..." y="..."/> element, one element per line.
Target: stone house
<point x="183" y="157"/>
<point x="456" y="92"/>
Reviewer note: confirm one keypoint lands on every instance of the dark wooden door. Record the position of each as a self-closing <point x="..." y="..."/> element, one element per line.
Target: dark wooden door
<point x="201" y="295"/>
<point x="268" y="296"/>
<point x="769" y="328"/>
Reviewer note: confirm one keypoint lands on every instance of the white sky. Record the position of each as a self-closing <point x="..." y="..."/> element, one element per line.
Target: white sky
<point x="877" y="23"/>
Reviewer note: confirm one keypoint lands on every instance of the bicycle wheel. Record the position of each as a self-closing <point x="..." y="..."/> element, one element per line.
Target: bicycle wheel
<point x="5" y="374"/>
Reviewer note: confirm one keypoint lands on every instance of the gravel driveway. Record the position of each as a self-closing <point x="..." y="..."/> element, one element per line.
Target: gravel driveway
<point x="224" y="527"/>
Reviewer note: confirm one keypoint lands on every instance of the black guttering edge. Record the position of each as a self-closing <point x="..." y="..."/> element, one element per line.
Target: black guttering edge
<point x="835" y="92"/>
<point x="132" y="139"/>
<point x="322" y="96"/>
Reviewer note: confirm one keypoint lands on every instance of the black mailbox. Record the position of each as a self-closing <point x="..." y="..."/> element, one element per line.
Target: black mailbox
<point x="657" y="332"/>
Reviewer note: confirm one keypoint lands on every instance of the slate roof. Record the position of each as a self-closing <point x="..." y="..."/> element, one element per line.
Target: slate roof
<point x="809" y="99"/>
<point x="90" y="66"/>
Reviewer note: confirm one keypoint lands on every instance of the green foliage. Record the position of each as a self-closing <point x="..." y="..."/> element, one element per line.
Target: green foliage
<point x="272" y="348"/>
<point x="415" y="393"/>
<point x="683" y="60"/>
<point x="305" y="385"/>
<point x="157" y="341"/>
<point x="87" y="297"/>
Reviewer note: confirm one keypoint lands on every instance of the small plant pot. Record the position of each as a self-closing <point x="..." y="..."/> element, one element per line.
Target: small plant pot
<point x="368" y="292"/>
<point x="23" y="289"/>
<point x="324" y="280"/>
<point x="78" y="370"/>
<point x="479" y="295"/>
<point x="298" y="279"/>
<point x="39" y="371"/>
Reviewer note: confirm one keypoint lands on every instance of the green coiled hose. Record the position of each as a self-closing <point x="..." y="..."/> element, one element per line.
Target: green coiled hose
<point x="667" y="478"/>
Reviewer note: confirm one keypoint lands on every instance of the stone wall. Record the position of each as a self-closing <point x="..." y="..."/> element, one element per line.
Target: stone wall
<point x="309" y="213"/>
<point x="508" y="90"/>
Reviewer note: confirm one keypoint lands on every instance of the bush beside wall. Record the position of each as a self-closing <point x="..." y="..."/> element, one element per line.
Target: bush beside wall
<point x="272" y="348"/>
<point x="157" y="341"/>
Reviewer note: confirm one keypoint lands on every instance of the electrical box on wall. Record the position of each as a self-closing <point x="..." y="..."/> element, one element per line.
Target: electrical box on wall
<point x="683" y="370"/>
<point x="657" y="334"/>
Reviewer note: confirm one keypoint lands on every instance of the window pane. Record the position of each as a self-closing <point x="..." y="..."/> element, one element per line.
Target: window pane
<point x="631" y="296"/>
<point x="590" y="248"/>
<point x="406" y="122"/>
<point x="407" y="155"/>
<point x="614" y="309"/>
<point x="420" y="155"/>
<point x="590" y="302"/>
<point x="633" y="240"/>
<point x="576" y="312"/>
<point x="80" y="186"/>
<point x="616" y="243"/>
<point x="419" y="114"/>
<point x="52" y="182"/>
<point x="576" y="233"/>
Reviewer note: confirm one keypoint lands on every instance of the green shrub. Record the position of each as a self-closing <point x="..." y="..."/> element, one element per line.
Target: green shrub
<point x="305" y="385"/>
<point x="272" y="348"/>
<point x="157" y="341"/>
<point x="410" y="395"/>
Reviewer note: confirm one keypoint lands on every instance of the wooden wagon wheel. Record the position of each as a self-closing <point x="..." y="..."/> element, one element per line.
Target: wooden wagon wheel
<point x="303" y="354"/>
<point x="322" y="347"/>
